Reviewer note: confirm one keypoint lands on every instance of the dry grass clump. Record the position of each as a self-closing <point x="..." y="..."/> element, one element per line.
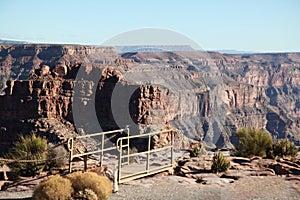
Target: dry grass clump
<point x="78" y="185"/>
<point x="91" y="181"/>
<point x="54" y="188"/>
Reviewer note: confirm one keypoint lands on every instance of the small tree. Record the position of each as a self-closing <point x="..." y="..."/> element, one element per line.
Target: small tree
<point x="29" y="147"/>
<point x="253" y="142"/>
<point x="284" y="148"/>
<point x="220" y="163"/>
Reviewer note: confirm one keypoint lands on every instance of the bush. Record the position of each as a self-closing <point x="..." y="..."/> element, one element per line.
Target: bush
<point x="284" y="148"/>
<point x="57" y="157"/>
<point x="90" y="181"/>
<point x="29" y="147"/>
<point x="197" y="150"/>
<point x="220" y="164"/>
<point x="253" y="142"/>
<point x="54" y="188"/>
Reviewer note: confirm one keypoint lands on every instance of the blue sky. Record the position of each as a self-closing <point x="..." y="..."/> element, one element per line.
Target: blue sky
<point x="265" y="26"/>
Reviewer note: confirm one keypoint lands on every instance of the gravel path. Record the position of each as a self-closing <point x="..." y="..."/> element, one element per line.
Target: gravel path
<point x="174" y="187"/>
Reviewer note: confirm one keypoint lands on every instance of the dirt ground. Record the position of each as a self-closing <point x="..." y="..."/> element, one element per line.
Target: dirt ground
<point x="175" y="187"/>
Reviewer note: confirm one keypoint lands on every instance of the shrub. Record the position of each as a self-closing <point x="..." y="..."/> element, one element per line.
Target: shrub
<point x="284" y="148"/>
<point x="197" y="150"/>
<point x="253" y="142"/>
<point x="29" y="147"/>
<point x="86" y="181"/>
<point x="220" y="164"/>
<point x="54" y="188"/>
<point x="57" y="157"/>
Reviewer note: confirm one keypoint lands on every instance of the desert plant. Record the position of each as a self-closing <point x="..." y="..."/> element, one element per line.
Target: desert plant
<point x="56" y="157"/>
<point x="82" y="182"/>
<point x="28" y="147"/>
<point x="253" y="142"/>
<point x="87" y="194"/>
<point x="284" y="148"/>
<point x="220" y="163"/>
<point x="54" y="188"/>
<point x="197" y="150"/>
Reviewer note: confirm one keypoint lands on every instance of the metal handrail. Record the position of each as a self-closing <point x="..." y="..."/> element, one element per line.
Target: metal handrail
<point x="147" y="171"/>
<point x="101" y="151"/>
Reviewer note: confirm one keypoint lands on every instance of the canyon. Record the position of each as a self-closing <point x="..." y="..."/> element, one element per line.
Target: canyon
<point x="59" y="91"/>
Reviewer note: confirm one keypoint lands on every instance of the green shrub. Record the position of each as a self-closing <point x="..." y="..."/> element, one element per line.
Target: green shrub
<point x="57" y="157"/>
<point x="29" y="147"/>
<point x="197" y="150"/>
<point x="82" y="182"/>
<point x="54" y="188"/>
<point x="220" y="163"/>
<point x="253" y="142"/>
<point x="284" y="148"/>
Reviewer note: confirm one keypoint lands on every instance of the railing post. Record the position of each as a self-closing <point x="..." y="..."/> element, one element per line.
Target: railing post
<point x="148" y="154"/>
<point x="116" y="183"/>
<point x="102" y="147"/>
<point x="120" y="160"/>
<point x="172" y="147"/>
<point x="70" y="148"/>
<point x="128" y="148"/>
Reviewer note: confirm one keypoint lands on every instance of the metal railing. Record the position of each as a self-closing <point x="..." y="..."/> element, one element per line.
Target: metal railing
<point x="123" y="146"/>
<point x="101" y="150"/>
<point x="147" y="171"/>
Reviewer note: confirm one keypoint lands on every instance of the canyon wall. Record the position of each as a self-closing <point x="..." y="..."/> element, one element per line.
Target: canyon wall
<point x="208" y="96"/>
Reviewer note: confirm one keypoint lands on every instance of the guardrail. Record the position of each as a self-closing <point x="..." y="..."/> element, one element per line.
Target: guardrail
<point x="101" y="150"/>
<point x="147" y="171"/>
<point x="123" y="146"/>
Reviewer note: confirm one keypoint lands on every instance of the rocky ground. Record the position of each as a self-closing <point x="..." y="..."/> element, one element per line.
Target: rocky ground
<point x="254" y="178"/>
<point x="176" y="187"/>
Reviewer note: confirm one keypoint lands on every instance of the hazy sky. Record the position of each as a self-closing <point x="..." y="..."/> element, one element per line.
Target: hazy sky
<point x="257" y="25"/>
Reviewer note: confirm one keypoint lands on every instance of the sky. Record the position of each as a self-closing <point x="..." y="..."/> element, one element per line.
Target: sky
<point x="257" y="25"/>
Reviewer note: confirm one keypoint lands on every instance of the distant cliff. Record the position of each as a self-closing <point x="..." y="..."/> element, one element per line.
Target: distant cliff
<point x="206" y="95"/>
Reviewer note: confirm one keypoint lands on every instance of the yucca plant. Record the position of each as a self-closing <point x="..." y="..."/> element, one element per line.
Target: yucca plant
<point x="253" y="142"/>
<point x="30" y="148"/>
<point x="220" y="163"/>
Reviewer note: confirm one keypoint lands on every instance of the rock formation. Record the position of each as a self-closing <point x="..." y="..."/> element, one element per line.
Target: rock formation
<point x="205" y="95"/>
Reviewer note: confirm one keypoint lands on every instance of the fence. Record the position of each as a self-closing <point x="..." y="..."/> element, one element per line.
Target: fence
<point x="124" y="174"/>
<point x="100" y="151"/>
<point x="123" y="147"/>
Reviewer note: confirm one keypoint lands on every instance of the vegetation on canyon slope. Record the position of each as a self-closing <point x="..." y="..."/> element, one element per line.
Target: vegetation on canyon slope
<point x="253" y="142"/>
<point x="28" y="148"/>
